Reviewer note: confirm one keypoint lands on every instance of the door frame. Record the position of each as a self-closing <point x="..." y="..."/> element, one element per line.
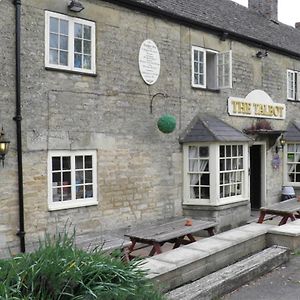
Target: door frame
<point x="263" y="156"/>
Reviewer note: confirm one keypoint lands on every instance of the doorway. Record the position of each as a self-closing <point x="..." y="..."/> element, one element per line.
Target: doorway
<point x="257" y="174"/>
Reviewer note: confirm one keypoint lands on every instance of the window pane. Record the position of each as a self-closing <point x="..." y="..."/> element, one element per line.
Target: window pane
<point x="53" y="40"/>
<point x="56" y="179"/>
<point x="66" y="163"/>
<point x="79" y="177"/>
<point x="79" y="192"/>
<point x="56" y="194"/>
<point x="88" y="176"/>
<point x="194" y="193"/>
<point x="88" y="191"/>
<point x="87" y="62"/>
<point x="55" y="163"/>
<point x="205" y="179"/>
<point x="222" y="151"/>
<point x="66" y="178"/>
<point x="196" y="67"/>
<point x="79" y="162"/>
<point x="203" y="152"/>
<point x="222" y="165"/>
<point x="78" y="30"/>
<point x="86" y="47"/>
<point x="53" y="58"/>
<point x="77" y="61"/>
<point x="63" y="58"/>
<point x="64" y="27"/>
<point x="53" y="24"/>
<point x="87" y="32"/>
<point x="63" y="42"/>
<point x="205" y="193"/>
<point x="88" y="162"/>
<point x="228" y="151"/>
<point x="67" y="193"/>
<point x="78" y="45"/>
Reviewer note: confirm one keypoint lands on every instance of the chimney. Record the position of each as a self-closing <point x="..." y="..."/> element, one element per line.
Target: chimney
<point x="268" y="8"/>
<point x="297" y="25"/>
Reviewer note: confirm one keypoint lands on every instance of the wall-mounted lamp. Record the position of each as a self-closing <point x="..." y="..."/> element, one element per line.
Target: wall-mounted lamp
<point x="280" y="144"/>
<point x="75" y="6"/>
<point x="4" y="145"/>
<point x="262" y="53"/>
<point x="282" y="141"/>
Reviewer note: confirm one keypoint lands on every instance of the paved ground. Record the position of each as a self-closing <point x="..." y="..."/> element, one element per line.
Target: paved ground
<point x="282" y="283"/>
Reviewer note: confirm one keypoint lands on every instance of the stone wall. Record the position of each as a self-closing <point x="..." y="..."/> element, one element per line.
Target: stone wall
<point x="139" y="168"/>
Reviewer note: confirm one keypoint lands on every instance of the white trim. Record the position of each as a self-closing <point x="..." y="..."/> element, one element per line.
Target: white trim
<point x="214" y="170"/>
<point x="195" y="85"/>
<point x="229" y="53"/>
<point x="71" y="22"/>
<point x="286" y="182"/>
<point x="290" y="97"/>
<point x="74" y="202"/>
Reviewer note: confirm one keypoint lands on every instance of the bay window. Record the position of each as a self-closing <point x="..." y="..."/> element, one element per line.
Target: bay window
<point x="216" y="173"/>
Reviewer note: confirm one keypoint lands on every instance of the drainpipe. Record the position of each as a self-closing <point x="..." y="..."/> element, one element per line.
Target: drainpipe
<point x="18" y="119"/>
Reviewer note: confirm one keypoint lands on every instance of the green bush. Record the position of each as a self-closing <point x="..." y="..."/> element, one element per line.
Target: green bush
<point x="59" y="271"/>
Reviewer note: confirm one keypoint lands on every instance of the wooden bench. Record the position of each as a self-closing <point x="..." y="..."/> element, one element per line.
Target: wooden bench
<point x="178" y="232"/>
<point x="288" y="209"/>
<point x="105" y="243"/>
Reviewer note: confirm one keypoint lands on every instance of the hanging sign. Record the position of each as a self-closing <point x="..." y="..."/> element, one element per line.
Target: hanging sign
<point x="149" y="62"/>
<point x="257" y="104"/>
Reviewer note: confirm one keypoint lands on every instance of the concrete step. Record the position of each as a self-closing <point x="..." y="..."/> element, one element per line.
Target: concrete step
<point x="230" y="278"/>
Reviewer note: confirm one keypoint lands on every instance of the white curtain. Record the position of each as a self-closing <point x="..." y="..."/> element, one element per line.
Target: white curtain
<point x="194" y="167"/>
<point x="296" y="152"/>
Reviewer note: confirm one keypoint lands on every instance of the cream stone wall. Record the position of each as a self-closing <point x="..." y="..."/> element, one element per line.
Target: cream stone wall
<point x="139" y="168"/>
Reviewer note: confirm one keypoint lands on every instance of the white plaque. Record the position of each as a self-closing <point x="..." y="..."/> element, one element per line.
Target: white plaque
<point x="149" y="62"/>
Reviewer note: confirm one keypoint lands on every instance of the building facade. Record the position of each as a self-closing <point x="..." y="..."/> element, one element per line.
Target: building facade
<point x="94" y="84"/>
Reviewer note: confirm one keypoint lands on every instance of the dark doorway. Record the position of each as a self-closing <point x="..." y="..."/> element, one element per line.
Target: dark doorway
<point x="255" y="176"/>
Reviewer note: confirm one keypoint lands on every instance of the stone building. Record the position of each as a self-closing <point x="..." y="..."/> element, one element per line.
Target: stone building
<point x="91" y="87"/>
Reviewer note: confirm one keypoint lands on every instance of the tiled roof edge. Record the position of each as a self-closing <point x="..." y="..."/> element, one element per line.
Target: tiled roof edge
<point x="158" y="12"/>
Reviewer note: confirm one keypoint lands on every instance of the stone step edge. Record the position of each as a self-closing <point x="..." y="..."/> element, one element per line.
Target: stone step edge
<point x="232" y="277"/>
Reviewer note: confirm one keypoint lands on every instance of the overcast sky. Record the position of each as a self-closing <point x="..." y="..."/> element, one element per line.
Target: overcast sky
<point x="288" y="10"/>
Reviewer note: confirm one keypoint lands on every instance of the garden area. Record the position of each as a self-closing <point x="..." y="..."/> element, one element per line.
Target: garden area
<point x="58" y="270"/>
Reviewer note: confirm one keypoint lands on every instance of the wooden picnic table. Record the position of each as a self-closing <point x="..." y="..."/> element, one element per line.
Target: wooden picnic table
<point x="172" y="232"/>
<point x="288" y="209"/>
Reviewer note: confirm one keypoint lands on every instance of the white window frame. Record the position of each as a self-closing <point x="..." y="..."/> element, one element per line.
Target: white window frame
<point x="294" y="83"/>
<point x="71" y="22"/>
<point x="214" y="171"/>
<point x="73" y="203"/>
<point x="218" y="56"/>
<point x="287" y="165"/>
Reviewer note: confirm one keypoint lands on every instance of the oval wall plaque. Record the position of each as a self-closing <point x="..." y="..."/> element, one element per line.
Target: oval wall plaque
<point x="149" y="62"/>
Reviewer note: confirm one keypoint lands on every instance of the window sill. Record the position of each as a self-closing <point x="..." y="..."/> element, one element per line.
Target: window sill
<point x="228" y="201"/>
<point x="290" y="100"/>
<point x="206" y="89"/>
<point x="71" y="204"/>
<point x="71" y="71"/>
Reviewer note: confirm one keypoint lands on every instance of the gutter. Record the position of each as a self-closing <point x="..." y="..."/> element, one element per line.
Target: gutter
<point x="197" y="24"/>
<point x="18" y="119"/>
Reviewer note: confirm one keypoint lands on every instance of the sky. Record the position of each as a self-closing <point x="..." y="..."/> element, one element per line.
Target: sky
<point x="288" y="10"/>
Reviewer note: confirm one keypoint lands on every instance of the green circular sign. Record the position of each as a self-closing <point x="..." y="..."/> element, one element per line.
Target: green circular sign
<point x="166" y="123"/>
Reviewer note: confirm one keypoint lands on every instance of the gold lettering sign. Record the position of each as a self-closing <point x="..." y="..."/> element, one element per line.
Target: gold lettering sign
<point x="256" y="109"/>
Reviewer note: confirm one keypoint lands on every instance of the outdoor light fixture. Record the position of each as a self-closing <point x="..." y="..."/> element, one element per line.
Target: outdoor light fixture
<point x="4" y="145"/>
<point x="75" y="6"/>
<point x="282" y="141"/>
<point x="262" y="53"/>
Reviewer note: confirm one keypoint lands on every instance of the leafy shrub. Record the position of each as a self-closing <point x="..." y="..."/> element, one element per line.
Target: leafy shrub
<point x="59" y="271"/>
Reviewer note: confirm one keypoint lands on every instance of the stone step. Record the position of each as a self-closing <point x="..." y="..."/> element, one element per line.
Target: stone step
<point x="230" y="278"/>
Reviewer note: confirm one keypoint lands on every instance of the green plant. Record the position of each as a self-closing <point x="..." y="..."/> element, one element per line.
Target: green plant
<point x="59" y="271"/>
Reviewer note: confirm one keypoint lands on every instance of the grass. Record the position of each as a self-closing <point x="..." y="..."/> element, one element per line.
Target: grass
<point x="60" y="271"/>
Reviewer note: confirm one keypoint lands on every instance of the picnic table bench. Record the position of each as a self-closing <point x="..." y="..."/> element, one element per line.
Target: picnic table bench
<point x="174" y="232"/>
<point x="288" y="209"/>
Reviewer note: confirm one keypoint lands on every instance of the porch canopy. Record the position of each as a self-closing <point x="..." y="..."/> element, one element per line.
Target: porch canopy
<point x="292" y="133"/>
<point x="208" y="128"/>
